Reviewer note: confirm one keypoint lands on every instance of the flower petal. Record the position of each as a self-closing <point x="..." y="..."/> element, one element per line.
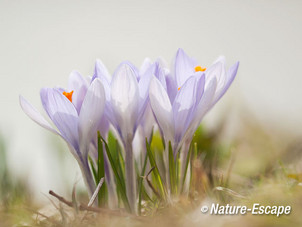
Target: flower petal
<point x="216" y="70"/>
<point x="184" y="67"/>
<point x="125" y="99"/>
<point x="63" y="114"/>
<point x="78" y="84"/>
<point x="148" y="122"/>
<point x="144" y="82"/>
<point x="35" y="115"/>
<point x="162" y="108"/>
<point x="230" y="76"/>
<point x="39" y="119"/>
<point x="185" y="103"/>
<point x="202" y="108"/>
<point x="171" y="88"/>
<point x="91" y="114"/>
<point x="143" y="87"/>
<point x="102" y="73"/>
<point x="206" y="101"/>
<point x="145" y="66"/>
<point x="100" y="70"/>
<point x="160" y="72"/>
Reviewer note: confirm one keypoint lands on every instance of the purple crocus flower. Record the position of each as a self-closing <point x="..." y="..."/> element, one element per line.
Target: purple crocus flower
<point x="148" y="122"/>
<point x="181" y="97"/>
<point x="76" y="113"/>
<point x="181" y="100"/>
<point x="126" y="102"/>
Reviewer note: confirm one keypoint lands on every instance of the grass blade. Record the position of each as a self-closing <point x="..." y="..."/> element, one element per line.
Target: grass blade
<point x="120" y="184"/>
<point x="186" y="167"/>
<point x="93" y="169"/>
<point x="157" y="176"/>
<point x="140" y="185"/>
<point x="101" y="173"/>
<point x="172" y="170"/>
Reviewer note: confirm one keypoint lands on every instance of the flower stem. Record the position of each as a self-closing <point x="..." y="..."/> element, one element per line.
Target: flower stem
<point x="167" y="170"/>
<point x="130" y="176"/>
<point x="88" y="179"/>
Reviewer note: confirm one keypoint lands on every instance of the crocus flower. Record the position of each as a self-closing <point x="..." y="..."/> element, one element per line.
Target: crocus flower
<point x="76" y="113"/>
<point x="126" y="101"/>
<point x="180" y="102"/>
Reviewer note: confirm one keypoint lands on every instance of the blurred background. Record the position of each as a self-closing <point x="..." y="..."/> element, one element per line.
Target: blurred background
<point x="41" y="42"/>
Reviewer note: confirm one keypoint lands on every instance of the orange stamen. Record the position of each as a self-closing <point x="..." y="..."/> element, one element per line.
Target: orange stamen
<point x="68" y="95"/>
<point x="200" y="69"/>
<point x="179" y="88"/>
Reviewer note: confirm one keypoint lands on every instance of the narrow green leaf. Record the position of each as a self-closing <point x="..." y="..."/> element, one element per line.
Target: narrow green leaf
<point x="101" y="172"/>
<point x="140" y="185"/>
<point x="156" y="174"/>
<point x="120" y="159"/>
<point x="93" y="169"/>
<point x="145" y="194"/>
<point x="172" y="170"/>
<point x="186" y="167"/>
<point x="178" y="169"/>
<point x="117" y="155"/>
<point x="120" y="184"/>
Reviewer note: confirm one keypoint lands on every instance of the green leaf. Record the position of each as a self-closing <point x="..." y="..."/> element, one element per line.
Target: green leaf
<point x="120" y="159"/>
<point x="101" y="173"/>
<point x="119" y="183"/>
<point x="93" y="169"/>
<point x="178" y="169"/>
<point x="117" y="155"/>
<point x="186" y="167"/>
<point x="140" y="185"/>
<point x="172" y="170"/>
<point x="155" y="173"/>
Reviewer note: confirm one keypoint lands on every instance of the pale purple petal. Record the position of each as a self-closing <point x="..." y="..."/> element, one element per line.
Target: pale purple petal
<point x="102" y="73"/>
<point x="162" y="108"/>
<point x="132" y="66"/>
<point x="145" y="66"/>
<point x="160" y="73"/>
<point x="171" y="88"/>
<point x="230" y="76"/>
<point x="35" y="115"/>
<point x="202" y="108"/>
<point x="106" y="85"/>
<point x="143" y="86"/>
<point x="206" y="101"/>
<point x="148" y="123"/>
<point x="90" y="115"/>
<point x="39" y="119"/>
<point x="217" y="70"/>
<point x="78" y="84"/>
<point x="63" y="114"/>
<point x="144" y="82"/>
<point x="125" y="99"/>
<point x="103" y="126"/>
<point x="100" y="70"/>
<point x="184" y="67"/>
<point x="220" y="59"/>
<point x="185" y="102"/>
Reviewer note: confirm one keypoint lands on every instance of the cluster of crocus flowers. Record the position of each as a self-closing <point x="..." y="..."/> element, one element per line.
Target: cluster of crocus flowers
<point x="175" y="100"/>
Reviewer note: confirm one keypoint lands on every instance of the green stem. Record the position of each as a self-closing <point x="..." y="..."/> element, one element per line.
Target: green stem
<point x="130" y="176"/>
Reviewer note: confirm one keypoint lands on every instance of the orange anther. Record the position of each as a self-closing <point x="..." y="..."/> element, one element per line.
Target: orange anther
<point x="200" y="69"/>
<point x="68" y="95"/>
